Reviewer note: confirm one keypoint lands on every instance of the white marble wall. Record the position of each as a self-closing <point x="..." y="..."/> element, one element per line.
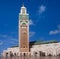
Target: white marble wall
<point x="52" y="48"/>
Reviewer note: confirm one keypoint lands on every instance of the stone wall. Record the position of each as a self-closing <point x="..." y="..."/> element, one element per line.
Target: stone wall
<point x="52" y="49"/>
<point x="48" y="49"/>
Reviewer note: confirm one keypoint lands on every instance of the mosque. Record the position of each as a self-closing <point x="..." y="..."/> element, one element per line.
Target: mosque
<point x="30" y="48"/>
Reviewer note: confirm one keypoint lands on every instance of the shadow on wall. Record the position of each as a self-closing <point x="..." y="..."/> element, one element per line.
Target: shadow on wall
<point x="31" y="43"/>
<point x="40" y="53"/>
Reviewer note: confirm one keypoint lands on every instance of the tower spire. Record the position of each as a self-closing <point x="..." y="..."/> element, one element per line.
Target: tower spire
<point x="23" y="9"/>
<point x="23" y="4"/>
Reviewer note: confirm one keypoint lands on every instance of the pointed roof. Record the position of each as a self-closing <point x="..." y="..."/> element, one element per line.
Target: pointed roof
<point x="23" y="5"/>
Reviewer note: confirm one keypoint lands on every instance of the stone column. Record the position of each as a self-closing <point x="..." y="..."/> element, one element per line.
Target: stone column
<point x="4" y="54"/>
<point x="46" y="54"/>
<point x="8" y="54"/>
<point x="38" y="53"/>
<point x="29" y="54"/>
<point x="54" y="53"/>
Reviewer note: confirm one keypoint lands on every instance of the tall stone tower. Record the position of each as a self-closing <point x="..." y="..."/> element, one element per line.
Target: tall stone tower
<point x="23" y="30"/>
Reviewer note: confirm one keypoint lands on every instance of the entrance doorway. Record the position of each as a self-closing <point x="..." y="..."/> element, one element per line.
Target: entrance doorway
<point x="35" y="54"/>
<point x="6" y="54"/>
<point x="24" y="54"/>
<point x="41" y="53"/>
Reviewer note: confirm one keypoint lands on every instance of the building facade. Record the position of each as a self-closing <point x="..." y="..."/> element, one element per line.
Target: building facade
<point x="52" y="49"/>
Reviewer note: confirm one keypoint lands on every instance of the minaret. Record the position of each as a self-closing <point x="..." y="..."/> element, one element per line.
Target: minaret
<point x="23" y="30"/>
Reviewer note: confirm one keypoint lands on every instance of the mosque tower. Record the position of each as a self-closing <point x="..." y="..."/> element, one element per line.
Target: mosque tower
<point x="23" y="30"/>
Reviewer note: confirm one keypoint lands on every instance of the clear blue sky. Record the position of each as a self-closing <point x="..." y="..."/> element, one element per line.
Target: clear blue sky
<point x="44" y="16"/>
